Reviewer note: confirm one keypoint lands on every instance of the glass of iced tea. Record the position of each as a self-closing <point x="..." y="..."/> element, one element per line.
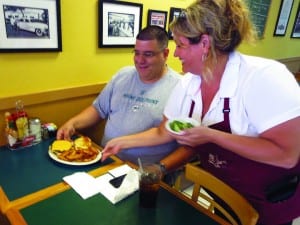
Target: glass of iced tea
<point x="149" y="185"/>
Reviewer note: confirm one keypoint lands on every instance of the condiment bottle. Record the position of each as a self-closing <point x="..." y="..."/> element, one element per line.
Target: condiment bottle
<point x="10" y="129"/>
<point x="21" y="121"/>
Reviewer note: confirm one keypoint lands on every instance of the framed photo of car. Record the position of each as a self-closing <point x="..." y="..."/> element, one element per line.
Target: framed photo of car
<point x="30" y="26"/>
<point x="157" y="18"/>
<point x="296" y="28"/>
<point x="119" y="23"/>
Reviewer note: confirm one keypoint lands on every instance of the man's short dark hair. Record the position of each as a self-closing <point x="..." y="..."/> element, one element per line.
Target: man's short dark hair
<point x="154" y="33"/>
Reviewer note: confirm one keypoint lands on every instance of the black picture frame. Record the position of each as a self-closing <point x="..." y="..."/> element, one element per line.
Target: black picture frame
<point x="119" y="23"/>
<point x="30" y="26"/>
<point x="157" y="18"/>
<point x="174" y="12"/>
<point x="283" y="17"/>
<point x="296" y="28"/>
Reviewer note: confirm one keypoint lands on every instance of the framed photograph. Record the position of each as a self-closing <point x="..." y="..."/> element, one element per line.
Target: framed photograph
<point x="119" y="23"/>
<point x="157" y="18"/>
<point x="174" y="13"/>
<point x="283" y="17"/>
<point x="30" y="26"/>
<point x="296" y="27"/>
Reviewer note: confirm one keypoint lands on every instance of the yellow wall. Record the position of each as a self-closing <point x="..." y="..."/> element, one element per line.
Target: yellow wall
<point x="82" y="63"/>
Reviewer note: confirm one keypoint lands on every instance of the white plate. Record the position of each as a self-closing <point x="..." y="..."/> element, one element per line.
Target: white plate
<point x="55" y="158"/>
<point x="187" y="119"/>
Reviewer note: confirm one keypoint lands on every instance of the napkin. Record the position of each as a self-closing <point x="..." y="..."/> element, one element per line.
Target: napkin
<point x="83" y="183"/>
<point x="129" y="185"/>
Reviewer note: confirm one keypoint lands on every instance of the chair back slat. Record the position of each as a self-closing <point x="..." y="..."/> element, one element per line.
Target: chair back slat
<point x="246" y="214"/>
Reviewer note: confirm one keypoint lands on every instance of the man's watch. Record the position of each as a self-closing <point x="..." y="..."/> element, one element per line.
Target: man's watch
<point x="162" y="168"/>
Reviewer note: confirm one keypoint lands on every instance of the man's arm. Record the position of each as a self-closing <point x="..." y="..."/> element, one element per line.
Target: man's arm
<point x="86" y="118"/>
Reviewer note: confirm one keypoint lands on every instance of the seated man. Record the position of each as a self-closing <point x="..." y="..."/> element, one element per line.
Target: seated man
<point x="134" y="100"/>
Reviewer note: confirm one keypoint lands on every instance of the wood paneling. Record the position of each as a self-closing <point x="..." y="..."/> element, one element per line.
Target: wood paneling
<point x="55" y="106"/>
<point x="293" y="64"/>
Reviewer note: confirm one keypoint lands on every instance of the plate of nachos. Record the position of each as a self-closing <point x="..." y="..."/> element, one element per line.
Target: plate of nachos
<point x="79" y="152"/>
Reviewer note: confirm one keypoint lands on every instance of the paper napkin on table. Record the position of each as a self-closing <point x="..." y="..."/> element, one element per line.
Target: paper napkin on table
<point x="83" y="183"/>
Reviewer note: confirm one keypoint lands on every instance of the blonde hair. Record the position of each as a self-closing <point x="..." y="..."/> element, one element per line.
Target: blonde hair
<point x="227" y="22"/>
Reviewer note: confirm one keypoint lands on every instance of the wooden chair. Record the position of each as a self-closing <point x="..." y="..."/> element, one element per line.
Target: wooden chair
<point x="239" y="205"/>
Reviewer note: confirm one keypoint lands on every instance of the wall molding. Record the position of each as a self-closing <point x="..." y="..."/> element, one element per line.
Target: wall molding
<point x="293" y="64"/>
<point x="51" y="96"/>
<point x="55" y="106"/>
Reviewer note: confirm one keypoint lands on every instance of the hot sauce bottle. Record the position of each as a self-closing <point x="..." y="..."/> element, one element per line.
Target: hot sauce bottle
<point x="21" y="121"/>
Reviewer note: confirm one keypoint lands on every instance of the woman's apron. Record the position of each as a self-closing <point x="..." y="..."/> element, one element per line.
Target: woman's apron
<point x="251" y="178"/>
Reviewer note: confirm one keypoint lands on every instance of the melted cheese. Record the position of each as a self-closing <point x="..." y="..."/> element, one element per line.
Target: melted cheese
<point x="61" y="145"/>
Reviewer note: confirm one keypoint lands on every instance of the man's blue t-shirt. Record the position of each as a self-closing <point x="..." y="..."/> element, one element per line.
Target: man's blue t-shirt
<point x="131" y="106"/>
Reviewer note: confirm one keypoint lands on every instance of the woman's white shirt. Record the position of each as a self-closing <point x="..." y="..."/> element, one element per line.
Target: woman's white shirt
<point x="263" y="93"/>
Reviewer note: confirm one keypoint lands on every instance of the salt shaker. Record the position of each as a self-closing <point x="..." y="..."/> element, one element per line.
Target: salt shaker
<point x="35" y="128"/>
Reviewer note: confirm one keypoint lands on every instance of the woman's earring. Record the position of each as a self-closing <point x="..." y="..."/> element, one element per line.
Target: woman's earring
<point x="204" y="57"/>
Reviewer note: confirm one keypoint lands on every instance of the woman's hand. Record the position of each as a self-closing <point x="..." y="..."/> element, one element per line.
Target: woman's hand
<point x="277" y="146"/>
<point x="112" y="147"/>
<point x="194" y="136"/>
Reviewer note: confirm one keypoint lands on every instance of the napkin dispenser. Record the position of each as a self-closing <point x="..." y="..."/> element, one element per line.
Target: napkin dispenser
<point x="128" y="186"/>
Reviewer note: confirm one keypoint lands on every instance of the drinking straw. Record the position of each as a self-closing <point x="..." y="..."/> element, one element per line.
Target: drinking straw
<point x="140" y="165"/>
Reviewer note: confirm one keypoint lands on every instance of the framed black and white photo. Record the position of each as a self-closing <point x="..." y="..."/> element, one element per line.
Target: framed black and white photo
<point x="283" y="17"/>
<point x="119" y="23"/>
<point x="157" y="18"/>
<point x="174" y="13"/>
<point x="296" y="28"/>
<point x="30" y="26"/>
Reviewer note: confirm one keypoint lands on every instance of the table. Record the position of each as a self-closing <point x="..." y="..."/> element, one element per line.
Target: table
<point x="32" y="188"/>
<point x="69" y="208"/>
<point x="30" y="170"/>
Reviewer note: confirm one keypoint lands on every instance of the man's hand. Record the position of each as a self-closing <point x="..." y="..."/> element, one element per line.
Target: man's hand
<point x="65" y="132"/>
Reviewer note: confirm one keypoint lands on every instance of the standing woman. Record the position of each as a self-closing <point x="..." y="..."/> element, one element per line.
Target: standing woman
<point x="249" y="109"/>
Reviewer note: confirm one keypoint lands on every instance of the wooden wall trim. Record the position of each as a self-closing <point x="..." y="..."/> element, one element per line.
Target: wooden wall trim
<point x="48" y="105"/>
<point x="50" y="96"/>
<point x="293" y="64"/>
<point x="292" y="59"/>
